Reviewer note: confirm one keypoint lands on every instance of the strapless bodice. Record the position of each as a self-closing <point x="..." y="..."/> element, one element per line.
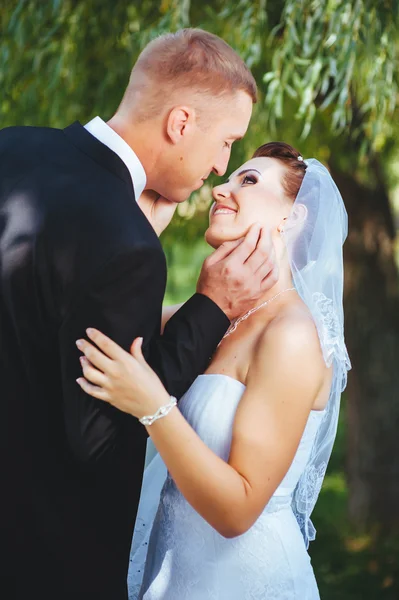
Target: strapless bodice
<point x="210" y="406"/>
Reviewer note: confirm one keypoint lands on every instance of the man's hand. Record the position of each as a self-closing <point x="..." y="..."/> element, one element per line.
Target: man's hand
<point x="237" y="274"/>
<point x="157" y="209"/>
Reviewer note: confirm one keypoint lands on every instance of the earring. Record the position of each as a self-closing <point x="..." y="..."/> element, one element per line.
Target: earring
<point x="280" y="228"/>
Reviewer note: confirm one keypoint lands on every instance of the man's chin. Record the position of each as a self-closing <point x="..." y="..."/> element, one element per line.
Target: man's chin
<point x="180" y="199"/>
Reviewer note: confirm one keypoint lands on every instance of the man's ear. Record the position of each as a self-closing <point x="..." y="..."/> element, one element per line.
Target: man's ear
<point x="180" y="122"/>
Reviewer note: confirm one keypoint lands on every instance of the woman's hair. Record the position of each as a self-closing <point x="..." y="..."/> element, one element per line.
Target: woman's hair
<point x="295" y="166"/>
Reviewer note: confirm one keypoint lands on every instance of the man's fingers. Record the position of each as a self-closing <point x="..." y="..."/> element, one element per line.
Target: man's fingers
<point x="265" y="244"/>
<point x="223" y="251"/>
<point x="248" y="246"/>
<point x="270" y="277"/>
<point x="264" y="247"/>
<point x="264" y="253"/>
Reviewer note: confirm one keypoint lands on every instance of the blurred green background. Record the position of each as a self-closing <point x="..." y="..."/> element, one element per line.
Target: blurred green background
<point x="327" y="72"/>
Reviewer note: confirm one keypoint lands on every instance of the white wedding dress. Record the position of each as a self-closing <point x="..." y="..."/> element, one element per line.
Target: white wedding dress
<point x="179" y="556"/>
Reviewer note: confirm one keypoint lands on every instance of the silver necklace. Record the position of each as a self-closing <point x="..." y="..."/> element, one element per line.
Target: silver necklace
<point x="239" y="320"/>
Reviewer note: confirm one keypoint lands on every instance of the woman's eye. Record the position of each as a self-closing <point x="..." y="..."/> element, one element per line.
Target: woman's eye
<point x="227" y="145"/>
<point x="249" y="179"/>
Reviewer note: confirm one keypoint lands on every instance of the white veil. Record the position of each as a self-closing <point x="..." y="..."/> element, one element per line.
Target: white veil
<point x="315" y="255"/>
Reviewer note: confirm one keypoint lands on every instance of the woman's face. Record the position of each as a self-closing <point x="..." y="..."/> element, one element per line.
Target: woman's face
<point x="252" y="194"/>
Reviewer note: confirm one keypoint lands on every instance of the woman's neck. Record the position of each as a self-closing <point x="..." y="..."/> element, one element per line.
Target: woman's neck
<point x="285" y="282"/>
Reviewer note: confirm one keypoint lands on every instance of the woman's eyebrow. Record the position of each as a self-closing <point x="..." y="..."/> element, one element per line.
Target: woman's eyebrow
<point x="243" y="173"/>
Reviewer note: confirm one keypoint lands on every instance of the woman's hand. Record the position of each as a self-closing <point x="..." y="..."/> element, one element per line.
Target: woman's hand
<point x="124" y="380"/>
<point x="158" y="210"/>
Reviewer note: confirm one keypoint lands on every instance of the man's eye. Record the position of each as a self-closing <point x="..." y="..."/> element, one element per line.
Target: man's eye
<point x="249" y="179"/>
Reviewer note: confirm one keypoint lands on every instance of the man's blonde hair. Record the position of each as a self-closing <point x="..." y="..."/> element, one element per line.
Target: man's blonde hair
<point x="190" y="59"/>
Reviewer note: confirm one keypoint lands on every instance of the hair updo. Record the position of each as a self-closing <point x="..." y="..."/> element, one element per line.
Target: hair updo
<point x="291" y="159"/>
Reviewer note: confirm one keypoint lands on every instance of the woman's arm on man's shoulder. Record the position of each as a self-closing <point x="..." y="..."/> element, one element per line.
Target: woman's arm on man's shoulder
<point x="168" y="312"/>
<point x="286" y="375"/>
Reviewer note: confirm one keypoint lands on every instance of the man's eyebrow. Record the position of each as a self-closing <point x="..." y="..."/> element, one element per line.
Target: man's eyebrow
<point x="243" y="173"/>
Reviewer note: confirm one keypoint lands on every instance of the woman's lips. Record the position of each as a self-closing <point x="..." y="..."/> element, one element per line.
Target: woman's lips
<point x="223" y="210"/>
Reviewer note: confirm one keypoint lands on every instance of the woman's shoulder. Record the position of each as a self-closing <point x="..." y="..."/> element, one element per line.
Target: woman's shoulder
<point x="287" y="362"/>
<point x="294" y="321"/>
<point x="291" y="335"/>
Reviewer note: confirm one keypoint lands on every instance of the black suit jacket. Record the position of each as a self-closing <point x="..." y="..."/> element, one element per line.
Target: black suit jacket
<point x="76" y="251"/>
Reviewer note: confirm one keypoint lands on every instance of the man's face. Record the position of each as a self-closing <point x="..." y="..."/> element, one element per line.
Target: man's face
<point x="207" y="146"/>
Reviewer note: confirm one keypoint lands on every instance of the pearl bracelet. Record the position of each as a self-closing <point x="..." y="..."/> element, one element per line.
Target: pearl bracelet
<point x="161" y="412"/>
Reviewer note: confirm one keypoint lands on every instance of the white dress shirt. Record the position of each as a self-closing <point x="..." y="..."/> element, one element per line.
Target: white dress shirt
<point x="107" y="136"/>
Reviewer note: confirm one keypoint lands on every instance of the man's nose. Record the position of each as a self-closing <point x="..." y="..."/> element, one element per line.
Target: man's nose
<point x="220" y="166"/>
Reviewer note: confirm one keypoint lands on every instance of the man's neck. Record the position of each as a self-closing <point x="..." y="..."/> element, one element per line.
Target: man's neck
<point x="140" y="140"/>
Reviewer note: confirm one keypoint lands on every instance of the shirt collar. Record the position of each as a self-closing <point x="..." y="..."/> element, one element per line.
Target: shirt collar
<point x="106" y="135"/>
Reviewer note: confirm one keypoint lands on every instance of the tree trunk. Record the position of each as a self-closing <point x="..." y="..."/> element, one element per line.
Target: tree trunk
<point x="372" y="336"/>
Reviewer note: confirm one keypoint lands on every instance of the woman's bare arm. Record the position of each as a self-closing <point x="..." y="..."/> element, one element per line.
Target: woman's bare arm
<point x="285" y="378"/>
<point x="286" y="375"/>
<point x="168" y="312"/>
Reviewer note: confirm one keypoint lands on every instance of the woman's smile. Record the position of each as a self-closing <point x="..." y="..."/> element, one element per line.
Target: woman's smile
<point x="221" y="209"/>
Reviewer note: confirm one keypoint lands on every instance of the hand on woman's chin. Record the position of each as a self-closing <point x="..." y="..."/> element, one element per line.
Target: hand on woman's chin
<point x="216" y="239"/>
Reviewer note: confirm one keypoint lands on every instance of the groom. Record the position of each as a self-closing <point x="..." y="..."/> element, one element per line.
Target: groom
<point x="78" y="248"/>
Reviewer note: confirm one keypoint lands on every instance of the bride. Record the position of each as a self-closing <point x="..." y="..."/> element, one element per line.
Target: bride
<point x="247" y="448"/>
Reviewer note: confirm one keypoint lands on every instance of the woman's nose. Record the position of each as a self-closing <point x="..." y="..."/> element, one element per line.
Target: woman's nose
<point x="221" y="192"/>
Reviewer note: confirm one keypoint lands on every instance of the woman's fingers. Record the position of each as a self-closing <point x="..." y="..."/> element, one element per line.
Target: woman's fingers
<point x="93" y="390"/>
<point x="91" y="373"/>
<point x="110" y="348"/>
<point x="136" y="350"/>
<point x="95" y="356"/>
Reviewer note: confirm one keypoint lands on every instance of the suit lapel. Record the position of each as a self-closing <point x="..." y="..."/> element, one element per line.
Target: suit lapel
<point x="88" y="144"/>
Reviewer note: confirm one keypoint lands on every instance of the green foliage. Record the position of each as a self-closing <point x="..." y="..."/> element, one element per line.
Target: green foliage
<point x="349" y="565"/>
<point x="184" y="264"/>
<point x="65" y="60"/>
<point x="339" y="55"/>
